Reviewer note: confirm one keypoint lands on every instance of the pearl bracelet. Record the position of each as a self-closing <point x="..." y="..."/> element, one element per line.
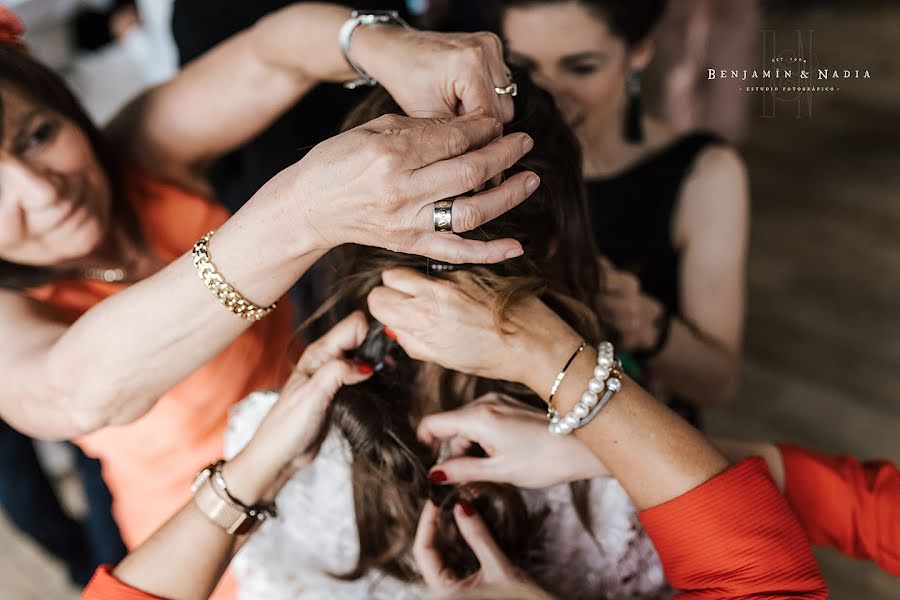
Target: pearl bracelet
<point x="606" y="380"/>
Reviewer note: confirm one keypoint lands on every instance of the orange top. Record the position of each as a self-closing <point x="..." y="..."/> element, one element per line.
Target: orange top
<point x="149" y="464"/>
<point x="731" y="537"/>
<point x="734" y="537"/>
<point x="848" y="505"/>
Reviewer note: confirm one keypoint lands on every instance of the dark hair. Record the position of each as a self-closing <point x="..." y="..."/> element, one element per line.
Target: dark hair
<point x="376" y="417"/>
<point x="631" y="20"/>
<point x="40" y="84"/>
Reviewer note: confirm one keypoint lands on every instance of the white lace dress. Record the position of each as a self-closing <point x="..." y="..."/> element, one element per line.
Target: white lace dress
<point x="292" y="557"/>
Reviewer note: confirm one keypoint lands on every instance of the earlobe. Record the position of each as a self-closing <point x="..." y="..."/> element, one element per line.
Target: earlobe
<point x="641" y="54"/>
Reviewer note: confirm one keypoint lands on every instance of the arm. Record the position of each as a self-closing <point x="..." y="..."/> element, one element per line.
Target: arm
<point x="843" y="503"/>
<point x="667" y="467"/>
<point x="233" y="92"/>
<point x="116" y="360"/>
<point x="701" y="358"/>
<point x="186" y="557"/>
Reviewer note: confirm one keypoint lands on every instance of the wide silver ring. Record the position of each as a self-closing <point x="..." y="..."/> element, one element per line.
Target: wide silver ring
<point x="443" y="216"/>
<point x="511" y="90"/>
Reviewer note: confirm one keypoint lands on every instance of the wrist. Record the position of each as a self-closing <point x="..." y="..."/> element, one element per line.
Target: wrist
<point x="548" y="352"/>
<point x="371" y="48"/>
<point x="252" y="479"/>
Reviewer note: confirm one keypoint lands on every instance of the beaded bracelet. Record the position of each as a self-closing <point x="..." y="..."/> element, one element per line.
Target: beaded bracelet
<point x="606" y="377"/>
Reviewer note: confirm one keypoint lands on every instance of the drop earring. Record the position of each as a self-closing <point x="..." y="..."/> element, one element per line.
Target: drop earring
<point x="634" y="128"/>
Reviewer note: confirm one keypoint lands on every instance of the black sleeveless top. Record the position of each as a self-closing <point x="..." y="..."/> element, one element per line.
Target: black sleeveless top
<point x="632" y="215"/>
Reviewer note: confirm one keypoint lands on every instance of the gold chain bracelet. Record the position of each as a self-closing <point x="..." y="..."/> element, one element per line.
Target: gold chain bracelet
<point x="230" y="297"/>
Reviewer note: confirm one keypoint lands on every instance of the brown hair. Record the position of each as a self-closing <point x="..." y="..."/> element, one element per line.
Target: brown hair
<point x="40" y="84"/>
<point x="631" y="20"/>
<point x="376" y="418"/>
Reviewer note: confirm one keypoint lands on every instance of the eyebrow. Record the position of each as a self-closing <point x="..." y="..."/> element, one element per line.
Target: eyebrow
<point x="582" y="56"/>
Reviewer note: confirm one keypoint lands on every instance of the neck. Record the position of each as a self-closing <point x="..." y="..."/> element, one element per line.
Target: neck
<point x="607" y="152"/>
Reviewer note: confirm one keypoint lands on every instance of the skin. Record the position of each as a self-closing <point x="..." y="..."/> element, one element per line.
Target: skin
<point x="365" y="186"/>
<point x="574" y="54"/>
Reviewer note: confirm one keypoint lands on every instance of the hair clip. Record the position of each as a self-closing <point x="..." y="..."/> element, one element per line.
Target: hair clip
<point x="438" y="266"/>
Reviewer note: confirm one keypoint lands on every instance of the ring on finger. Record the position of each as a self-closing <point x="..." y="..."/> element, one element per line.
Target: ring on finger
<point x="443" y="216"/>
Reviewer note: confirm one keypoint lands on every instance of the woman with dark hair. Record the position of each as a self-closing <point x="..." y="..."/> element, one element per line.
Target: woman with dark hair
<point x="116" y="342"/>
<point x="669" y="212"/>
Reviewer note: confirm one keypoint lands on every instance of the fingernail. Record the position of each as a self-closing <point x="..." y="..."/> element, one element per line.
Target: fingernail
<point x="528" y="144"/>
<point x="364" y="368"/>
<point x="467" y="508"/>
<point x="532" y="183"/>
<point x="437" y="476"/>
<point x="390" y="333"/>
<point x="514" y="253"/>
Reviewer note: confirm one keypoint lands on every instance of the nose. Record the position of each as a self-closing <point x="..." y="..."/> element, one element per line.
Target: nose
<point x="26" y="186"/>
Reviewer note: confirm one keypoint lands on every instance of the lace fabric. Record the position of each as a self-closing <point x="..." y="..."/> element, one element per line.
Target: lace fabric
<point x="296" y="555"/>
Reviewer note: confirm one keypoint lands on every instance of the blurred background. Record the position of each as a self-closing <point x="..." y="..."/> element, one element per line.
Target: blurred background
<point x="822" y="351"/>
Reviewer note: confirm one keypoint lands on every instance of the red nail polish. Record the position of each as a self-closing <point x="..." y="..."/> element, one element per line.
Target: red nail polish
<point x="390" y="333"/>
<point x="364" y="368"/>
<point x="467" y="508"/>
<point x="437" y="476"/>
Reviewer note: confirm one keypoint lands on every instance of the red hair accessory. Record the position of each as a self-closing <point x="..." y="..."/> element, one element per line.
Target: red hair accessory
<point x="11" y="29"/>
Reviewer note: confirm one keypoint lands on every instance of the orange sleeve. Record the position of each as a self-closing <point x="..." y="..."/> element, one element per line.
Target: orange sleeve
<point x="846" y="504"/>
<point x="734" y="537"/>
<point x="103" y="586"/>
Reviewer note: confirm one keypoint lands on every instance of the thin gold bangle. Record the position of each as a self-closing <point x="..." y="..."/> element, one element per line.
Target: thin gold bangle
<point x="559" y="379"/>
<point x="230" y="297"/>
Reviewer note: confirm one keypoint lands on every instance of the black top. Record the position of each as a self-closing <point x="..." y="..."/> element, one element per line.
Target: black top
<point x="632" y="216"/>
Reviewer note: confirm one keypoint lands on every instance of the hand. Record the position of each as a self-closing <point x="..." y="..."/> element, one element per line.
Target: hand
<point x="633" y="314"/>
<point x="289" y="436"/>
<point x="496" y="569"/>
<point x="376" y="185"/>
<point x="450" y="323"/>
<point x="512" y="434"/>
<point x="433" y="74"/>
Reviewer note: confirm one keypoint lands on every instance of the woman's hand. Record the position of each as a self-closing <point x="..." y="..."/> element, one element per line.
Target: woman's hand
<point x="496" y="570"/>
<point x="512" y="435"/>
<point x="376" y="185"/>
<point x="633" y="314"/>
<point x="451" y="323"/>
<point x="433" y="74"/>
<point x="289" y="437"/>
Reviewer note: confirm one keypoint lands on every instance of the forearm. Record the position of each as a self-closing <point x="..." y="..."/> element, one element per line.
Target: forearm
<point x="233" y="92"/>
<point x="115" y="361"/>
<point x="653" y="453"/>
<point x="186" y="557"/>
<point x="695" y="367"/>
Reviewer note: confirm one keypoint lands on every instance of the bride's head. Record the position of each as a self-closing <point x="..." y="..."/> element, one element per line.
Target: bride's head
<point x="378" y="417"/>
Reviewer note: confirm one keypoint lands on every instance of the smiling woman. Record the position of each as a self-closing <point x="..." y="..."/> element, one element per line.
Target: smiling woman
<point x="98" y="285"/>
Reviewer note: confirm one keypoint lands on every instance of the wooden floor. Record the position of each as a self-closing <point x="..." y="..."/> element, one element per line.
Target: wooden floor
<point x="823" y="332"/>
<point x="823" y="336"/>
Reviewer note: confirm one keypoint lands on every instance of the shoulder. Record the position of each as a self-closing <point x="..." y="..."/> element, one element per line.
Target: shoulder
<point x="715" y="191"/>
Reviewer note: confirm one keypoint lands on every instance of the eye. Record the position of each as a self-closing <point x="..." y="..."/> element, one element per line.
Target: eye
<point x="583" y="70"/>
<point x="40" y="135"/>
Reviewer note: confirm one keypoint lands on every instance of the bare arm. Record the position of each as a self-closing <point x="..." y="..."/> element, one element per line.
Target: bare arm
<point x="237" y="89"/>
<point x="120" y="357"/>
<point x="700" y="360"/>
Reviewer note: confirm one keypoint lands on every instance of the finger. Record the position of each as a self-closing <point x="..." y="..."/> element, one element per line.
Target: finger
<point x="435" y="140"/>
<point x="389" y="307"/>
<point x="479" y="539"/>
<point x="326" y="381"/>
<point x="450" y="248"/>
<point x="427" y="558"/>
<point x="411" y="283"/>
<point x="465" y="172"/>
<point x="469" y="212"/>
<point x="347" y="335"/>
<point x="480" y="92"/>
<point x="437" y="427"/>
<point x="469" y="468"/>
